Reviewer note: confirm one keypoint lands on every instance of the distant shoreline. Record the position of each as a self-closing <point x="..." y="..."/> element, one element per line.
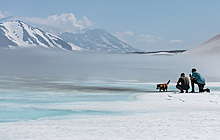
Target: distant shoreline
<point x="157" y="52"/>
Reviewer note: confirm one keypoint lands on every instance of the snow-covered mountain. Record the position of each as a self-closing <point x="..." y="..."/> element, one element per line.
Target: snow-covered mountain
<point x="97" y="40"/>
<point x="210" y="46"/>
<point x="16" y="33"/>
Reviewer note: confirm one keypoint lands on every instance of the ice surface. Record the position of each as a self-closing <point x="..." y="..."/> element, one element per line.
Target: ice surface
<point x="56" y="95"/>
<point x="97" y="109"/>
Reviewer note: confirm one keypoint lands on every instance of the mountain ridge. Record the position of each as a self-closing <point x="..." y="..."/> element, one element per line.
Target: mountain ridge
<point x="17" y="34"/>
<point x="211" y="45"/>
<point x="97" y="40"/>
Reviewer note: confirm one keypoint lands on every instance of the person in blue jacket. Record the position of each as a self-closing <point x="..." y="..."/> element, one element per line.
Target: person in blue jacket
<point x="198" y="79"/>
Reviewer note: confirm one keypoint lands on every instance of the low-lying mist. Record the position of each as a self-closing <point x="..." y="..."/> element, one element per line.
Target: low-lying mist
<point x="85" y="66"/>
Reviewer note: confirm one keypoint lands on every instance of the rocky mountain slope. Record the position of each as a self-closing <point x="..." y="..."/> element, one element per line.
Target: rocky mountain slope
<point x="97" y="40"/>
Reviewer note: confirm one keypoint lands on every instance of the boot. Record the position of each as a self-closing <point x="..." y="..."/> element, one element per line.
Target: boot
<point x="207" y="90"/>
<point x="193" y="91"/>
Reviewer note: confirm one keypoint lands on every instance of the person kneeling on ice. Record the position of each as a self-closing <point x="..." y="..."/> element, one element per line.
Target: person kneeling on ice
<point x="198" y="79"/>
<point x="183" y="83"/>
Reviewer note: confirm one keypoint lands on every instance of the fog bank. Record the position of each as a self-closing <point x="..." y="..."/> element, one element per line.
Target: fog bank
<point x="75" y="65"/>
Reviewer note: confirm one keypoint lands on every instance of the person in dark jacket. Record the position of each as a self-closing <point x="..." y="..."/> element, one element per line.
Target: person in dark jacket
<point x="183" y="83"/>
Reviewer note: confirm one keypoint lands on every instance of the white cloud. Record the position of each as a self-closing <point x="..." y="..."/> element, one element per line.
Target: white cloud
<point x="5" y="15"/>
<point x="124" y="36"/>
<point x="176" y="41"/>
<point x="58" y="24"/>
<point x="149" y="38"/>
<point x="125" y="33"/>
<point x="2" y="15"/>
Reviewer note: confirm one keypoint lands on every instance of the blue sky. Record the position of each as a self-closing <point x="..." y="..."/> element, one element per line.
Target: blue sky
<point x="145" y="24"/>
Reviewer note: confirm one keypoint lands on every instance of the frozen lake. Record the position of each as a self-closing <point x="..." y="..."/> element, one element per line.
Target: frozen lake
<point x="32" y="109"/>
<point x="104" y="97"/>
<point x="32" y="99"/>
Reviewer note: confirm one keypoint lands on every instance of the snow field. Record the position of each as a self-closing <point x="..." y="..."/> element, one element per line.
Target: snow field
<point x="147" y="116"/>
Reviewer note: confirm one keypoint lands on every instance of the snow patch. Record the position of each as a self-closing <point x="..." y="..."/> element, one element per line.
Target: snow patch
<point x="74" y="47"/>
